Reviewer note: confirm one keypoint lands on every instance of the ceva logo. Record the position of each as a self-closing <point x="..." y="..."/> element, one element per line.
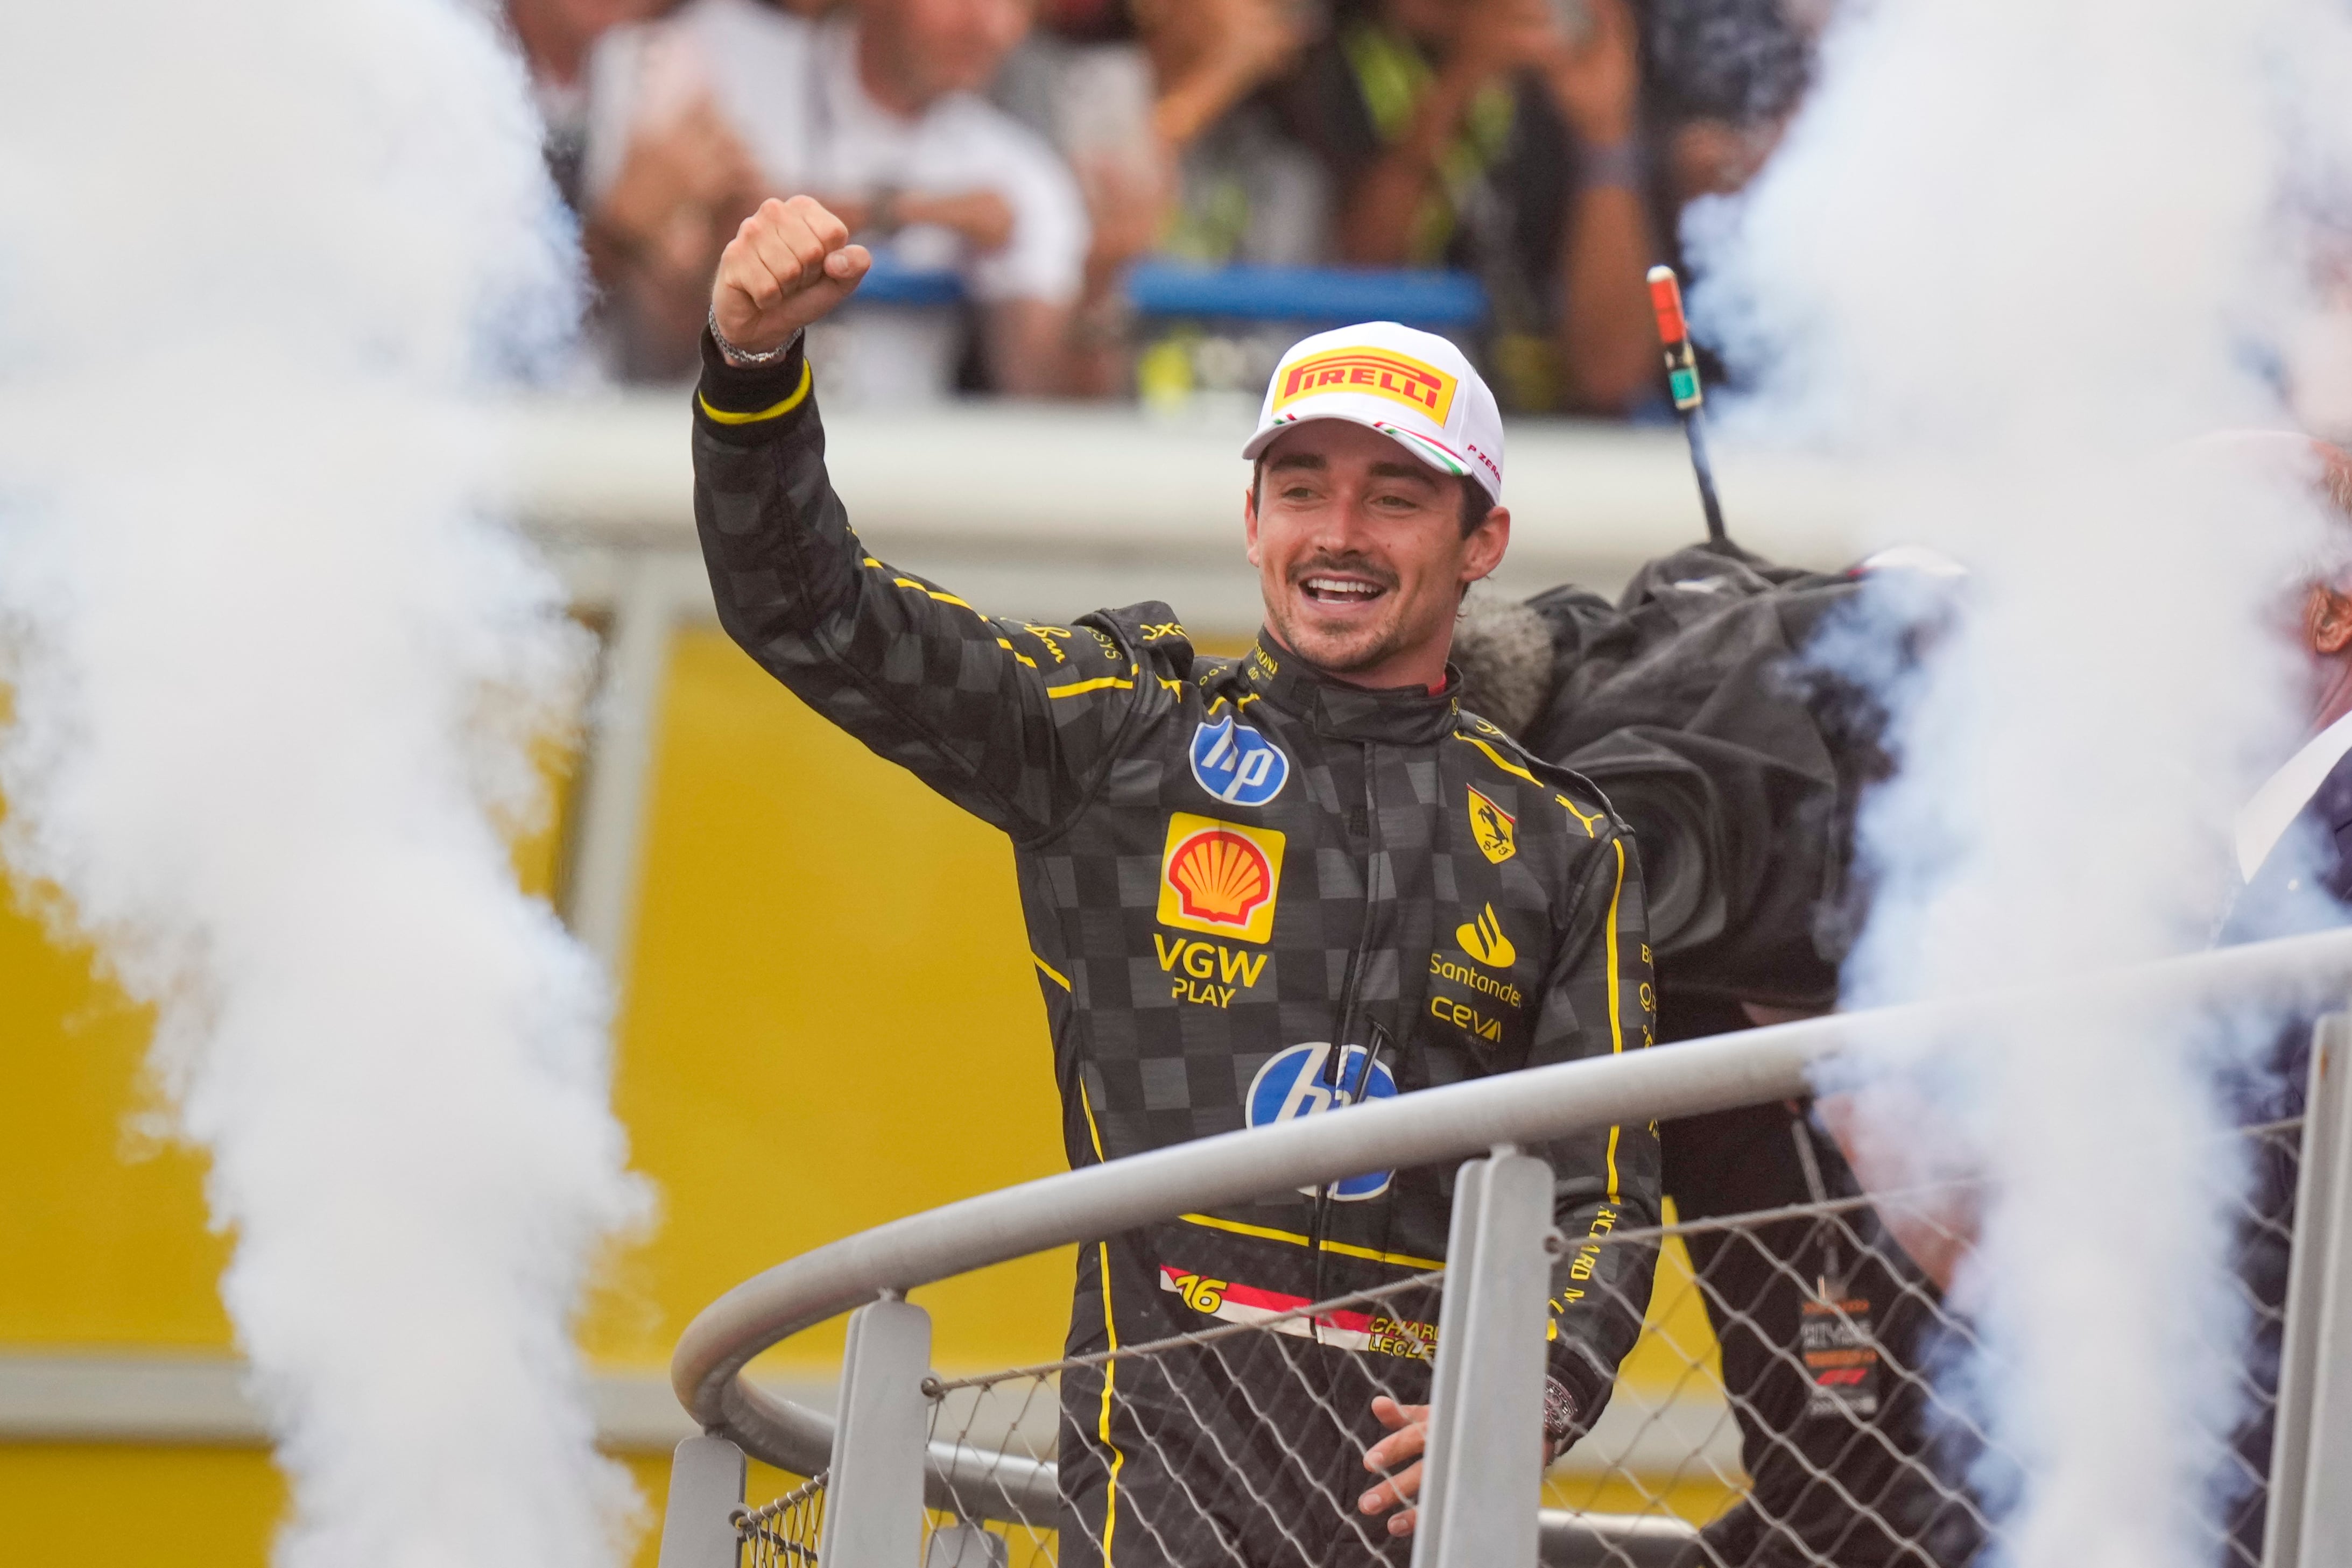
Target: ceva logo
<point x="1303" y="1081"/>
<point x="1236" y="763"/>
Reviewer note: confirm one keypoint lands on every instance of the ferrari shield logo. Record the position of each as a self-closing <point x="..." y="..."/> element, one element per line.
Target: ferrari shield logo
<point x="1491" y="826"/>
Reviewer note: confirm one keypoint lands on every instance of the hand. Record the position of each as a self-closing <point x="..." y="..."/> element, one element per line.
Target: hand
<point x="1253" y="41"/>
<point x="681" y="186"/>
<point x="1407" y="1435"/>
<point x="983" y="218"/>
<point x="1597" y="79"/>
<point x="790" y="264"/>
<point x="1127" y="199"/>
<point x="1498" y="37"/>
<point x="1408" y="1439"/>
<point x="1208" y="54"/>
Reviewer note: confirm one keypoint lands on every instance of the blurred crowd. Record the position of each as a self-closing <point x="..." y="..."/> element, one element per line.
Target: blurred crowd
<point x="1009" y="161"/>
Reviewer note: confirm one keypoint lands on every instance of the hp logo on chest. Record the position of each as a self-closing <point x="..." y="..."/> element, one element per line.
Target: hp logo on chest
<point x="1237" y="765"/>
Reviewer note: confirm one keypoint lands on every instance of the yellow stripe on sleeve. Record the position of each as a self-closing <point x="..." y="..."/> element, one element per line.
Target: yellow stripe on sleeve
<point x="1498" y="759"/>
<point x="777" y="411"/>
<point x="1616" y="1025"/>
<point x="941" y="594"/>
<point x="1110" y="1329"/>
<point x="1100" y="683"/>
<point x="1346" y="1249"/>
<point x="1055" y="975"/>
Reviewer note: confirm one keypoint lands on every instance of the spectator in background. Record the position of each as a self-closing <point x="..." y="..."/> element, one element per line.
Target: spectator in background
<point x="1163" y="110"/>
<point x="1245" y="189"/>
<point x="554" y="37"/>
<point x="1723" y="79"/>
<point x="876" y="111"/>
<point x="1500" y="137"/>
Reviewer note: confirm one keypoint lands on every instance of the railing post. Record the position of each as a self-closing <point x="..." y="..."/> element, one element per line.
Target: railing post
<point x="706" y="1489"/>
<point x="1485" y="1477"/>
<point x="2308" y="1518"/>
<point x="873" y="1500"/>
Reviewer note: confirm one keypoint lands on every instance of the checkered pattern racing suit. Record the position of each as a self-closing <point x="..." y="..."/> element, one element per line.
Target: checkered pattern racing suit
<point x="1252" y="892"/>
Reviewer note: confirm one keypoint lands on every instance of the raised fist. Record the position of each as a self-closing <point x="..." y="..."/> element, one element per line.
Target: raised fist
<point x="790" y="264"/>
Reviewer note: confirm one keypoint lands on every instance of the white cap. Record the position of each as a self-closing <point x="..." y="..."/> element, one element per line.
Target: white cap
<point x="1414" y="388"/>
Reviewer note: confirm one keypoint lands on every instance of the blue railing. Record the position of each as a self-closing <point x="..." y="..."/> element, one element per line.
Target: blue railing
<point x="892" y="282"/>
<point x="1295" y="294"/>
<point x="1306" y="294"/>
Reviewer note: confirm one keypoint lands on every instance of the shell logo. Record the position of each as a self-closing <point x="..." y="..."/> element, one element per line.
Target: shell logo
<point x="1220" y="877"/>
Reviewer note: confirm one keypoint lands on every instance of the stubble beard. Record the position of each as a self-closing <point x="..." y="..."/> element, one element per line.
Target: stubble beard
<point x="1344" y="654"/>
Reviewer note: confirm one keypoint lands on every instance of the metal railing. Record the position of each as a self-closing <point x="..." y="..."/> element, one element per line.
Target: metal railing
<point x="902" y="1446"/>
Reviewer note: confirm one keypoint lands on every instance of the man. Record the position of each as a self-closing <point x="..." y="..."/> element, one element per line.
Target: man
<point x="1688" y="701"/>
<point x="1254" y="888"/>
<point x="2294" y="844"/>
<point x="880" y="111"/>
<point x="1501" y="137"/>
<point x="554" y="38"/>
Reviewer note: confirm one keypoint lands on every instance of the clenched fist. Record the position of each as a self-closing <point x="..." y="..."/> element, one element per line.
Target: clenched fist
<point x="790" y="264"/>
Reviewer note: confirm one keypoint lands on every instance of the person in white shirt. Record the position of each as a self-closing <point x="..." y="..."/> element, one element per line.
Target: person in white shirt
<point x="2293" y="836"/>
<point x="554" y="38"/>
<point x="876" y="111"/>
<point x="2294" y="844"/>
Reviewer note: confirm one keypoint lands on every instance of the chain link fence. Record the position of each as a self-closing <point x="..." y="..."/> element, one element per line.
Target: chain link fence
<point x="1780" y="1410"/>
<point x="784" y="1533"/>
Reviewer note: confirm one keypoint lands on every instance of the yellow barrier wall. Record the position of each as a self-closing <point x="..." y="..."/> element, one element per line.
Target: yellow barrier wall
<point x="832" y="1021"/>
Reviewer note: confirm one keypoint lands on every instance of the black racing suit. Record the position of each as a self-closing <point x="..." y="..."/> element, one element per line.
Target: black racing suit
<point x="1226" y="865"/>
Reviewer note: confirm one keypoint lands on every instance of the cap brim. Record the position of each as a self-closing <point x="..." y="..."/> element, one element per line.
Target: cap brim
<point x="1433" y="454"/>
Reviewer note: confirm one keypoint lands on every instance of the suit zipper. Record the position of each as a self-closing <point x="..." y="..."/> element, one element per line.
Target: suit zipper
<point x="1348" y="991"/>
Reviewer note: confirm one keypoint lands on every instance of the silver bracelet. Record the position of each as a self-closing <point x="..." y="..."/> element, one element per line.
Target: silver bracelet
<point x="747" y="356"/>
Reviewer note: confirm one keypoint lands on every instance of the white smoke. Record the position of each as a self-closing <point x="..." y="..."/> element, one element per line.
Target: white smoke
<point x="275" y="675"/>
<point x="2011" y="253"/>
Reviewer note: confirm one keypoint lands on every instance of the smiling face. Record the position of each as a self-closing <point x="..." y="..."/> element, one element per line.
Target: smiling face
<point x="1362" y="555"/>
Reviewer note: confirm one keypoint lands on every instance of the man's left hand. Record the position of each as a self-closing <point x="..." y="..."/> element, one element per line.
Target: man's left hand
<point x="1407" y="1435"/>
<point x="1408" y="1439"/>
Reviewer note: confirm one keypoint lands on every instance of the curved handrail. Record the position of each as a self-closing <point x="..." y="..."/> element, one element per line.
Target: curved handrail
<point x="1455" y="1122"/>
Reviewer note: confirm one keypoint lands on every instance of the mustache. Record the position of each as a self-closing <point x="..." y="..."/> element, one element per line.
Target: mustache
<point x="1349" y="562"/>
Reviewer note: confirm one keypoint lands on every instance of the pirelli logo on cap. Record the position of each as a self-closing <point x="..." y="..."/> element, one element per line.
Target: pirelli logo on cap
<point x="1401" y="379"/>
<point x="1220" y="877"/>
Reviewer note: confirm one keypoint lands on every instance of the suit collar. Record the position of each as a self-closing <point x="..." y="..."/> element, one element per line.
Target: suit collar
<point x="1397" y="715"/>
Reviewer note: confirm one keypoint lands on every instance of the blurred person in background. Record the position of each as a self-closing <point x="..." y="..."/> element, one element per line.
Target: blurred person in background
<point x="1721" y="80"/>
<point x="1501" y="137"/>
<point x="695" y="119"/>
<point x="554" y="37"/>
<point x="1167" y="115"/>
<point x="2293" y="840"/>
<point x="1688" y="701"/>
<point x="2319" y="358"/>
<point x="1245" y="188"/>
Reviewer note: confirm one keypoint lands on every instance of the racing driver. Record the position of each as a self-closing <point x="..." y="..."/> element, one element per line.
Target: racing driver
<point x="1255" y="888"/>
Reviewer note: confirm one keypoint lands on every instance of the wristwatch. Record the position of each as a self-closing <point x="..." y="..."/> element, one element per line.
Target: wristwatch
<point x="1559" y="1415"/>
